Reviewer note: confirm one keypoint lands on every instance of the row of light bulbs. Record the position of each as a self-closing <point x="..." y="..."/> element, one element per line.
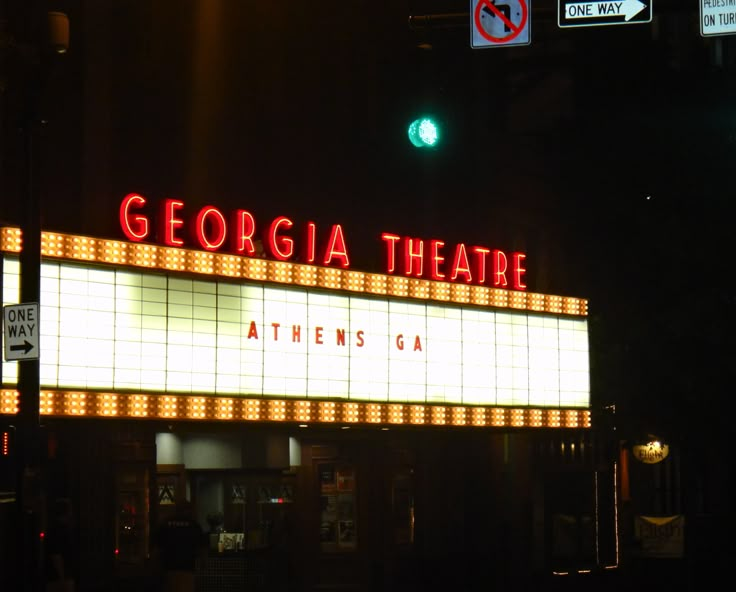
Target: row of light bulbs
<point x="59" y="403"/>
<point x="80" y="248"/>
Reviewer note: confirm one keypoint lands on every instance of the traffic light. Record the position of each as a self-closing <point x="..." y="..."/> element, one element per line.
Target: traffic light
<point x="425" y="132"/>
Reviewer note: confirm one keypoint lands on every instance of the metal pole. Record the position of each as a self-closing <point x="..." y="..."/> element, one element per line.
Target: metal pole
<point x="30" y="490"/>
<point x="30" y="256"/>
<point x="30" y="498"/>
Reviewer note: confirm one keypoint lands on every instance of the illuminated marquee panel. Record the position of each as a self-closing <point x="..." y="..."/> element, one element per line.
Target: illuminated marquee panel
<point x="107" y="328"/>
<point x="156" y="406"/>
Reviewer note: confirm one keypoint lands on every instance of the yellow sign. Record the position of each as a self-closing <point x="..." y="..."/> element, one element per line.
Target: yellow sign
<point x="660" y="536"/>
<point x="651" y="452"/>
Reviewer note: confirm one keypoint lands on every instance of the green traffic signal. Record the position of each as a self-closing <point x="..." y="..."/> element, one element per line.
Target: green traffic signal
<point x="424" y="133"/>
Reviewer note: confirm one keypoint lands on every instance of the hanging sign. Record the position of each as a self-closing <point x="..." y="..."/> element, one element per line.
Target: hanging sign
<point x="717" y="17"/>
<point x="584" y="13"/>
<point x="499" y="23"/>
<point x="651" y="452"/>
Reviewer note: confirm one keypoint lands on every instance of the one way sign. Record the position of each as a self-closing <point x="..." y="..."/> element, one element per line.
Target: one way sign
<point x="20" y="323"/>
<point x="584" y="13"/>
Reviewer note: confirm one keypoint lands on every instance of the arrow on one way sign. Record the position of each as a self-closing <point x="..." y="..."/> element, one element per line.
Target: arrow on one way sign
<point x="25" y="347"/>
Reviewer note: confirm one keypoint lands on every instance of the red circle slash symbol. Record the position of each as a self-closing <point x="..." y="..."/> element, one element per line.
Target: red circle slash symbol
<point x="502" y="12"/>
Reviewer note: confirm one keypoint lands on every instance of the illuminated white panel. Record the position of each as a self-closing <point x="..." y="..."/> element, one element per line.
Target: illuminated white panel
<point x="444" y="356"/>
<point x="11" y="281"/>
<point x="295" y="336"/>
<point x="251" y="356"/>
<point x="504" y="358"/>
<point x="101" y="290"/>
<point x="106" y="329"/>
<point x="153" y="322"/>
<point x="544" y="360"/>
<point x="328" y="346"/>
<point x="519" y="360"/>
<point x="228" y="329"/>
<point x="204" y="336"/>
<point x="11" y="295"/>
<point x="407" y="351"/>
<point x="479" y="362"/>
<point x="49" y="324"/>
<point x="282" y="333"/>
<point x="82" y="326"/>
<point x="369" y="370"/>
<point x="574" y="356"/>
<point x="128" y="330"/>
<point x="181" y="366"/>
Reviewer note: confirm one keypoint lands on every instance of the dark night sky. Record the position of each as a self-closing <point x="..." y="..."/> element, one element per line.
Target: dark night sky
<point x="604" y="153"/>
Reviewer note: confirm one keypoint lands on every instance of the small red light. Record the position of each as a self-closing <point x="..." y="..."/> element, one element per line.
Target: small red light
<point x="42" y="535"/>
<point x="117" y="551"/>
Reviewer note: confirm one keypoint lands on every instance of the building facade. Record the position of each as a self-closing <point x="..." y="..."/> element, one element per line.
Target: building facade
<point x="332" y="428"/>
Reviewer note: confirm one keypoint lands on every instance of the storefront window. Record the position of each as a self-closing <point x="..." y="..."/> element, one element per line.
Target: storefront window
<point x="338" y="520"/>
<point x="131" y="533"/>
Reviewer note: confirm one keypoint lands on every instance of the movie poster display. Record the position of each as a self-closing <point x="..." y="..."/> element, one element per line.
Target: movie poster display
<point x="338" y="521"/>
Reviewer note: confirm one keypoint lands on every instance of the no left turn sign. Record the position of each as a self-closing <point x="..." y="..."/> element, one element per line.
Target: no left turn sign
<point x="499" y="23"/>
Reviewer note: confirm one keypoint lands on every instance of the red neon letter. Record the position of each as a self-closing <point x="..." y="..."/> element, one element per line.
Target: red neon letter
<point x="500" y="263"/>
<point x="216" y="223"/>
<point x="245" y="227"/>
<point x="134" y="227"/>
<point x="311" y="242"/>
<point x="412" y="253"/>
<point x="461" y="265"/>
<point x="434" y="254"/>
<point x="482" y="252"/>
<point x="336" y="248"/>
<point x="170" y="223"/>
<point x="390" y="240"/>
<point x="282" y="247"/>
<point x="517" y="258"/>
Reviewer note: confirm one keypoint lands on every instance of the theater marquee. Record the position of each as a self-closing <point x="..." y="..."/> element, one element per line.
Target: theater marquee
<point x="131" y="317"/>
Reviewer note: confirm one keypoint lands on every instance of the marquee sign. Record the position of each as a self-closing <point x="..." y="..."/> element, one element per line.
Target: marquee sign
<point x="210" y="229"/>
<point x="225" y="308"/>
